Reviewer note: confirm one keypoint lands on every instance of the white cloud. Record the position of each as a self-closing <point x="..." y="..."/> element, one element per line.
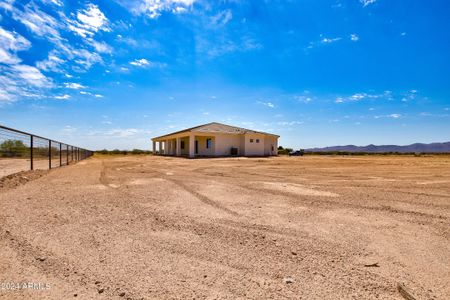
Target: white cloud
<point x="140" y="62"/>
<point x="10" y="43"/>
<point x="290" y="123"/>
<point x="268" y="104"/>
<point x="90" y="21"/>
<point x="22" y="81"/>
<point x="154" y="8"/>
<point x="62" y="97"/>
<point x="323" y="41"/>
<point x="354" y="37"/>
<point x="222" y="18"/>
<point x="391" y="116"/>
<point x="146" y="64"/>
<point x="74" y="85"/>
<point x="220" y="46"/>
<point x="52" y="63"/>
<point x="85" y="58"/>
<point x="367" y="2"/>
<point x="55" y="2"/>
<point x="101" y="47"/>
<point x="32" y="75"/>
<point x="98" y="96"/>
<point x="362" y="96"/>
<point x="330" y="40"/>
<point x="123" y="132"/>
<point x="13" y="41"/>
<point x="409" y="96"/>
<point x="303" y="98"/>
<point x="38" y="22"/>
<point x="8" y="58"/>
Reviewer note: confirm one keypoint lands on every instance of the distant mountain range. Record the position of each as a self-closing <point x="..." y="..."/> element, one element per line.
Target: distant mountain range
<point x="417" y="147"/>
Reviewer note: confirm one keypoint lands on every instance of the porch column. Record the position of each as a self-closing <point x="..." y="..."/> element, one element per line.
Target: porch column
<point x="166" y="147"/>
<point x="160" y="152"/>
<point x="178" y="152"/>
<point x="192" y="146"/>
<point x="154" y="148"/>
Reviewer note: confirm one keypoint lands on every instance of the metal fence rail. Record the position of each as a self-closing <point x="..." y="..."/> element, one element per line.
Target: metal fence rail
<point x="22" y="151"/>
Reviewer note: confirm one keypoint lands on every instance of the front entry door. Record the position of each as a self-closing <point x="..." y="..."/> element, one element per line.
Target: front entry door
<point x="196" y="147"/>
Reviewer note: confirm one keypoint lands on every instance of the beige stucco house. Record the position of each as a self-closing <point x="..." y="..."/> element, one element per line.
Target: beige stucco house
<point x="216" y="139"/>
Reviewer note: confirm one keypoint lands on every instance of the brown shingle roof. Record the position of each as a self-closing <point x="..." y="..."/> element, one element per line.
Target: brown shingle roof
<point x="215" y="127"/>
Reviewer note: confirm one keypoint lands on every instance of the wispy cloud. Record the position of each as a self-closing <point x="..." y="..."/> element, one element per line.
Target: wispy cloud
<point x="38" y="22"/>
<point x="32" y="76"/>
<point x="367" y="2"/>
<point x="330" y="40"/>
<point x="290" y="123"/>
<point x="323" y="41"/>
<point x="140" y="62"/>
<point x="52" y="63"/>
<point x="222" y="18"/>
<point x="73" y="85"/>
<point x="62" y="97"/>
<point x="391" y="116"/>
<point x="144" y="63"/>
<point x="101" y="47"/>
<point x="154" y="8"/>
<point x="89" y="21"/>
<point x="10" y="44"/>
<point x="354" y="37"/>
<point x="268" y="104"/>
<point x="363" y="96"/>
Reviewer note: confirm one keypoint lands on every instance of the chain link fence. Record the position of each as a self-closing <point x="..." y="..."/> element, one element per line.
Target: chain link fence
<point x="22" y="151"/>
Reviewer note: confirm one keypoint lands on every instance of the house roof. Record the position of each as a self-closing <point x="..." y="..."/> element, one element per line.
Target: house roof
<point x="215" y="127"/>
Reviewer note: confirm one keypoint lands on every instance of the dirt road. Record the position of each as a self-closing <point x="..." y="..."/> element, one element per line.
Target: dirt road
<point x="143" y="227"/>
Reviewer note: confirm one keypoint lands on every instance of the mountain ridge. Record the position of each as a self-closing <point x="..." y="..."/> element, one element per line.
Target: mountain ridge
<point x="416" y="147"/>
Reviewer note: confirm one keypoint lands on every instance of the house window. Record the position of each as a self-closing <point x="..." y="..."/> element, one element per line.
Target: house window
<point x="208" y="143"/>
<point x="182" y="145"/>
<point x="251" y="140"/>
<point x="257" y="140"/>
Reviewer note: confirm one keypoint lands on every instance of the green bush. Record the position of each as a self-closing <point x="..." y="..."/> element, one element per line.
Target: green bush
<point x="14" y="148"/>
<point x="123" y="152"/>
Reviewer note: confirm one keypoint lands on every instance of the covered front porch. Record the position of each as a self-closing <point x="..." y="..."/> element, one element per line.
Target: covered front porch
<point x="185" y="145"/>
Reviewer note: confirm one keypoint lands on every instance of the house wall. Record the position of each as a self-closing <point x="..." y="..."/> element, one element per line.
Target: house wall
<point x="202" y="150"/>
<point x="185" y="151"/>
<point x="224" y="142"/>
<point x="254" y="148"/>
<point x="270" y="145"/>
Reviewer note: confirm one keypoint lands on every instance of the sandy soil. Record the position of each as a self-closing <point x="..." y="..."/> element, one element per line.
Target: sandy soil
<point x="148" y="227"/>
<point x="10" y="166"/>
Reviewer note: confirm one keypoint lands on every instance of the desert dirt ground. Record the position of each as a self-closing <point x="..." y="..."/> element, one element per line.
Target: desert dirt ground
<point x="10" y="166"/>
<point x="314" y="227"/>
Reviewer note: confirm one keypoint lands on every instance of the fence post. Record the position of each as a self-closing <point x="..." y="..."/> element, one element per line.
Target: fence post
<point x="49" y="154"/>
<point x="31" y="152"/>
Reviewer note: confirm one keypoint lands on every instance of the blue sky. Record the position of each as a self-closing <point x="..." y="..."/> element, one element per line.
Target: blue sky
<point x="113" y="74"/>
